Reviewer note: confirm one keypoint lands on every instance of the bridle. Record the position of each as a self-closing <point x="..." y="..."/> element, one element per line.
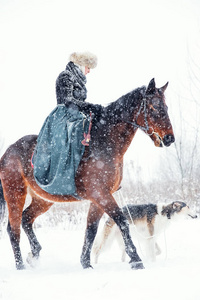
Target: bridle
<point x="143" y="109"/>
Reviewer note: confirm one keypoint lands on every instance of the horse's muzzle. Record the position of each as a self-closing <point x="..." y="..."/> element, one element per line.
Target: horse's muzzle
<point x="168" y="139"/>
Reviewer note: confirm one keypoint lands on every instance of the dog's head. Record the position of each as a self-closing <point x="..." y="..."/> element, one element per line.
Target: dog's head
<point x="178" y="209"/>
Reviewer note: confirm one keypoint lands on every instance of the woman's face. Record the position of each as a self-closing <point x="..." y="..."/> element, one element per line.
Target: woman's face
<point x="87" y="70"/>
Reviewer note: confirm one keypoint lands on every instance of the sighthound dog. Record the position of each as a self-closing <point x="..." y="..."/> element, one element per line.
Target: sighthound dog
<point x="146" y="221"/>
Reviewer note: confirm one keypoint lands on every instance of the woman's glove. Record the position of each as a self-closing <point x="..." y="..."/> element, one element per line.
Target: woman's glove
<point x="87" y="107"/>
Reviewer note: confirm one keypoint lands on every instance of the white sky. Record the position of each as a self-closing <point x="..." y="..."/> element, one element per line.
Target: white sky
<point x="134" y="41"/>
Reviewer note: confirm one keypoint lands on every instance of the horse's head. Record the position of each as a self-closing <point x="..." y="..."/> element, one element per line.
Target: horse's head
<point x="154" y="118"/>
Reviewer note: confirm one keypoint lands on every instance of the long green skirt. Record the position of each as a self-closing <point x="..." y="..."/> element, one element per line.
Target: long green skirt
<point x="59" y="150"/>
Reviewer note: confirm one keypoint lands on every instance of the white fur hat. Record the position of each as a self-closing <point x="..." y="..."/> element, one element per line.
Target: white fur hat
<point x="85" y="59"/>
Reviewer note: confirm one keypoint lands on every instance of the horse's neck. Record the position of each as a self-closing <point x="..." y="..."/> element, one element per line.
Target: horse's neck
<point x="114" y="135"/>
<point x="122" y="134"/>
<point x="113" y="140"/>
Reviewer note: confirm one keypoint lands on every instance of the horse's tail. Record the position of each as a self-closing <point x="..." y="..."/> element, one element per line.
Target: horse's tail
<point x="2" y="204"/>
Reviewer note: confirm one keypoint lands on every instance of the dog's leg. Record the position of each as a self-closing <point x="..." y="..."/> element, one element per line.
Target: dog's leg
<point x="151" y="242"/>
<point x="104" y="240"/>
<point x="120" y="242"/>
<point x="158" y="250"/>
<point x="123" y="258"/>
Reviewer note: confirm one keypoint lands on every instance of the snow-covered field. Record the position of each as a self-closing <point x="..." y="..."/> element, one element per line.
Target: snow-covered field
<point x="59" y="275"/>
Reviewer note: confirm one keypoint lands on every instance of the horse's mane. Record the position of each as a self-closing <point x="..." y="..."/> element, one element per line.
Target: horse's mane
<point x="117" y="111"/>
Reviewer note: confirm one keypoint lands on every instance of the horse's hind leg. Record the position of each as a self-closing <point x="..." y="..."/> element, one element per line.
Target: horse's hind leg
<point x="15" y="194"/>
<point x="36" y="208"/>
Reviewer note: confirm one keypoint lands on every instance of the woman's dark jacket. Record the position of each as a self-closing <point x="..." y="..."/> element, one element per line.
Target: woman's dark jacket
<point x="70" y="89"/>
<point x="70" y="85"/>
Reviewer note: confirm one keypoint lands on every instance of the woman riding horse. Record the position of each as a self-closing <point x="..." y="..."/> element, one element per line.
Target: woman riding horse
<point x="99" y="173"/>
<point x="60" y="144"/>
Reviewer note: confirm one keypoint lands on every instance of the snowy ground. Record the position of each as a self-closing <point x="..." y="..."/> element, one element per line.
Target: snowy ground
<point x="59" y="275"/>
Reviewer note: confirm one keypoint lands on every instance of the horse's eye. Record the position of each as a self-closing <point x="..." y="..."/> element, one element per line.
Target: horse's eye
<point x="155" y="106"/>
<point x="155" y="103"/>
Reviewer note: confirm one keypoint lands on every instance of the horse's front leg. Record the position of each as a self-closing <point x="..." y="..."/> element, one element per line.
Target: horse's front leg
<point x="109" y="205"/>
<point x="94" y="215"/>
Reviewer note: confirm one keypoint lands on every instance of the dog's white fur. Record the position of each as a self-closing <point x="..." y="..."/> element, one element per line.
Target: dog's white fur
<point x="146" y="223"/>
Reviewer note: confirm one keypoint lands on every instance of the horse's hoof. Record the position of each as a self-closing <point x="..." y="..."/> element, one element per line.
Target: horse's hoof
<point x="87" y="266"/>
<point x="20" y="266"/>
<point x="137" y="265"/>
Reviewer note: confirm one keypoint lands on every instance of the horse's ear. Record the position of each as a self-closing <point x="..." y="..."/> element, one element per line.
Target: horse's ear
<point x="151" y="87"/>
<point x="162" y="89"/>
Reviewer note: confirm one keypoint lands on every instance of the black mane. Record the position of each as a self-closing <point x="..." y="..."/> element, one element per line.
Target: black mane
<point x="120" y="109"/>
<point x="116" y="112"/>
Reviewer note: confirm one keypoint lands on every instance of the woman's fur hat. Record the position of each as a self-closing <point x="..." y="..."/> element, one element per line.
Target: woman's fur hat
<point x="85" y="59"/>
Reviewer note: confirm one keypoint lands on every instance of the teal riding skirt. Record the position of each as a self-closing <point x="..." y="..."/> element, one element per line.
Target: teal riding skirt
<point x="59" y="150"/>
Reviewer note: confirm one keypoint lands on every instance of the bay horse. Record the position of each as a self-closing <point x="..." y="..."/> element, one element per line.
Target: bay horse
<point x="99" y="173"/>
